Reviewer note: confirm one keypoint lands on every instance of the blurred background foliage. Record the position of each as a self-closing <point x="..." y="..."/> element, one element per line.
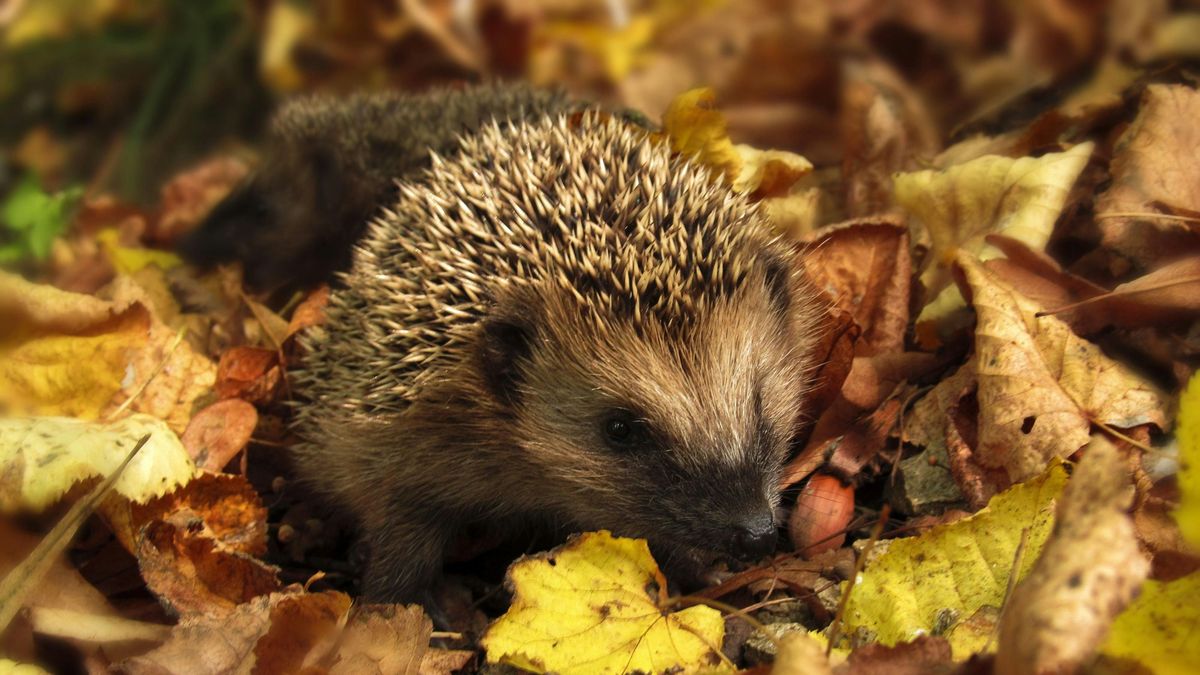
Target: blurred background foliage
<point x="117" y="96"/>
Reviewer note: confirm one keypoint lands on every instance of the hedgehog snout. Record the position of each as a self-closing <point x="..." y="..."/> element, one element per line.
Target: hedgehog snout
<point x="755" y="537"/>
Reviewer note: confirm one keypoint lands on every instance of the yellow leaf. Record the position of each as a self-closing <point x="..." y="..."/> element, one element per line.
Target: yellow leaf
<point x="697" y="129"/>
<point x="8" y="667"/>
<point x="953" y="570"/>
<point x="598" y="605"/>
<point x="768" y="173"/>
<point x="128" y="259"/>
<point x="75" y="355"/>
<point x="64" y="353"/>
<point x="42" y="457"/>
<point x="286" y="25"/>
<point x="1159" y="629"/>
<point x="960" y="206"/>
<point x="1188" y="434"/>
<point x="1089" y="570"/>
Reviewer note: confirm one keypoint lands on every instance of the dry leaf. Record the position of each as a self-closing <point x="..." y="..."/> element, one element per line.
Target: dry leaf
<point x="386" y="640"/>
<point x="1155" y="171"/>
<point x="194" y="575"/>
<point x="64" y="353"/>
<point x="219" y="432"/>
<point x="885" y="129"/>
<point x="1020" y="198"/>
<point x="1090" y="568"/>
<point x="222" y="507"/>
<point x="41" y="458"/>
<point x="249" y="373"/>
<point x="1167" y="294"/>
<point x="696" y="129"/>
<point x="864" y="268"/>
<point x="1039" y="387"/>
<point x="926" y="654"/>
<point x="263" y="628"/>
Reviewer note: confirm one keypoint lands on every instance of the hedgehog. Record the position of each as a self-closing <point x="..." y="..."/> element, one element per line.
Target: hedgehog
<point x="330" y="164"/>
<point x="560" y="324"/>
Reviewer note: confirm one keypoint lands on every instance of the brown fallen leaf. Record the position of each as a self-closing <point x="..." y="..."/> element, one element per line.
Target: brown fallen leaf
<point x="885" y="128"/>
<point x="864" y="268"/>
<point x="196" y="546"/>
<point x="194" y="575"/>
<point x="310" y="312"/>
<point x="1090" y="568"/>
<point x="222" y="507"/>
<point x="190" y="195"/>
<point x="1155" y="170"/>
<point x="249" y="373"/>
<point x="303" y="631"/>
<point x="1040" y="278"/>
<point x="835" y="352"/>
<point x="1037" y="388"/>
<point x="853" y="426"/>
<point x="223" y="643"/>
<point x="926" y="654"/>
<point x="1169" y="293"/>
<point x="387" y="639"/>
<point x="219" y="432"/>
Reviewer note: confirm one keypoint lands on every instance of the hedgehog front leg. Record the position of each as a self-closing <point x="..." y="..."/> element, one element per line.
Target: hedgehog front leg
<point x="406" y="555"/>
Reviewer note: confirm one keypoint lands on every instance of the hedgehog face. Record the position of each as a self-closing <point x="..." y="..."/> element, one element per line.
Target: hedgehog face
<point x="675" y="433"/>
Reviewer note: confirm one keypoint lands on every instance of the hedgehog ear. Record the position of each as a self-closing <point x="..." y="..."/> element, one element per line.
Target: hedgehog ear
<point x="505" y="341"/>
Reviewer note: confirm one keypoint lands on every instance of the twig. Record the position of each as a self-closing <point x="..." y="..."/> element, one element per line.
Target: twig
<point x="1134" y="214"/>
<point x="835" y="628"/>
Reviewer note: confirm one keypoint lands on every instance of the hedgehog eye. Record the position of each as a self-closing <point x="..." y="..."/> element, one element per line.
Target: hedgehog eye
<point x="621" y="430"/>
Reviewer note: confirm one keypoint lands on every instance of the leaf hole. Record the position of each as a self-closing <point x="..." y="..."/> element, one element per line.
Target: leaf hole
<point x="1027" y="424"/>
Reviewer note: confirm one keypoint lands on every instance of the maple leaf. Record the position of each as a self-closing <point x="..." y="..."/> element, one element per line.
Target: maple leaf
<point x="1039" y="386"/>
<point x="598" y="604"/>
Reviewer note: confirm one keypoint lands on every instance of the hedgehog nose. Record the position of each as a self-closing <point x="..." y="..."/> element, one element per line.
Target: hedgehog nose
<point x="755" y="537"/>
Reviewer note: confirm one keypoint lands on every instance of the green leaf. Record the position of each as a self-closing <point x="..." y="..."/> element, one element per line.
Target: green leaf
<point x="34" y="219"/>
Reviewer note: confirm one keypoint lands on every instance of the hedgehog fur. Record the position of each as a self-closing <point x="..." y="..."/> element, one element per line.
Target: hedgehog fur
<point x="559" y="323"/>
<point x="330" y="162"/>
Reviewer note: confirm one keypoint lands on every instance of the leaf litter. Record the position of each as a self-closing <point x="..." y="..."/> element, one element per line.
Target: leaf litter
<point x="1003" y="232"/>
